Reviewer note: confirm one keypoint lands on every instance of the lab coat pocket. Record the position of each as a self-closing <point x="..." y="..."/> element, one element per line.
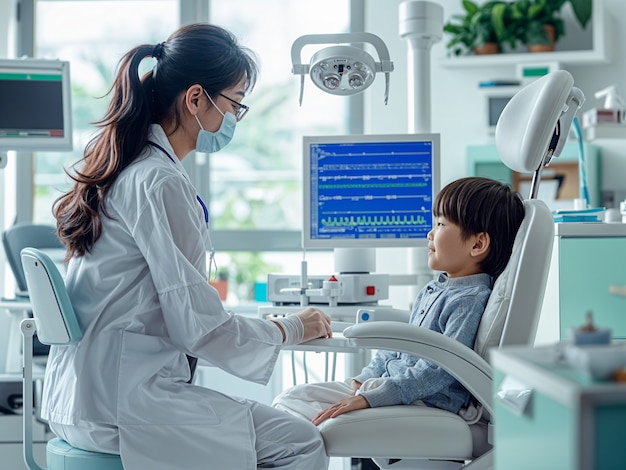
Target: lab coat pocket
<point x="152" y="386"/>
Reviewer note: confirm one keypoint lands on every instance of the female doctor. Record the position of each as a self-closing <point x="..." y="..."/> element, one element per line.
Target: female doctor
<point x="135" y="234"/>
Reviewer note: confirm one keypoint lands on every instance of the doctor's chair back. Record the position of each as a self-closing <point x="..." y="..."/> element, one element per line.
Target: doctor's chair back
<point x="55" y="322"/>
<point x="52" y="309"/>
<point x="23" y="235"/>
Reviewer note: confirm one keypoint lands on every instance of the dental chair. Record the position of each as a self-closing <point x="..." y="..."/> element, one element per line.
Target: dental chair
<point x="532" y="129"/>
<point x="55" y="322"/>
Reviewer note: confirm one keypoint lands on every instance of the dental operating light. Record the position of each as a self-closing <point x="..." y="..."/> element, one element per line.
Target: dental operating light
<point x="341" y="69"/>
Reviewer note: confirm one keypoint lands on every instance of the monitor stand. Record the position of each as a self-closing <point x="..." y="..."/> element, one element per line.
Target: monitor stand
<point x="355" y="260"/>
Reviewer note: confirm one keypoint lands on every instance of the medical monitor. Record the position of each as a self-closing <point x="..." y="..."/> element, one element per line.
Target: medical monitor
<point x="369" y="190"/>
<point x="35" y="106"/>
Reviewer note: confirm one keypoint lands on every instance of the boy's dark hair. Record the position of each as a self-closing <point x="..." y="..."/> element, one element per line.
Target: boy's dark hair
<point x="479" y="204"/>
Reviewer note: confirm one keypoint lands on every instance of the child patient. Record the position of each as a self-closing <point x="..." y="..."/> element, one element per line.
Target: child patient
<point x="476" y="220"/>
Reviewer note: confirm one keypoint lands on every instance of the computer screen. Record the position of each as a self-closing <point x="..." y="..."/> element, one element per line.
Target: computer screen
<point x="35" y="106"/>
<point x="369" y="190"/>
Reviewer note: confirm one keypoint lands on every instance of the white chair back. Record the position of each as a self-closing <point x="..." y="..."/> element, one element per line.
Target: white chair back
<point x="52" y="309"/>
<point x="531" y="130"/>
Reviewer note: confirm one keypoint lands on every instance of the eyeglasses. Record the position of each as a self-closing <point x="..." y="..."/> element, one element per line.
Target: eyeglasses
<point x="241" y="110"/>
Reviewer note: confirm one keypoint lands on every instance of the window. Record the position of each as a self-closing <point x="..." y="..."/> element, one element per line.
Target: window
<point x="254" y="186"/>
<point x="92" y="36"/>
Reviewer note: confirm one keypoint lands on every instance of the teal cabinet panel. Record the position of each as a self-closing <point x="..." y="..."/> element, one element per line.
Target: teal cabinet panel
<point x="540" y="438"/>
<point x="571" y="421"/>
<point x="587" y="267"/>
<point x="610" y="436"/>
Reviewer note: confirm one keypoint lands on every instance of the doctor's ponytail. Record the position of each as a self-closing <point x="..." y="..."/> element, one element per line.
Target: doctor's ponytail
<point x="195" y="54"/>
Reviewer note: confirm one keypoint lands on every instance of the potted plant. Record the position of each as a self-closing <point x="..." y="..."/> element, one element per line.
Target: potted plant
<point x="473" y="32"/>
<point x="221" y="283"/>
<point x="536" y="23"/>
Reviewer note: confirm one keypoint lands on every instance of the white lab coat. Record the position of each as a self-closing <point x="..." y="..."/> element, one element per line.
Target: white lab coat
<point x="143" y="302"/>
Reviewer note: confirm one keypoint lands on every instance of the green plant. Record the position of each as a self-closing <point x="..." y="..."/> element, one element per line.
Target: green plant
<point x="222" y="274"/>
<point x="472" y="29"/>
<point x="249" y="267"/>
<point x="525" y="20"/>
<point x="507" y="24"/>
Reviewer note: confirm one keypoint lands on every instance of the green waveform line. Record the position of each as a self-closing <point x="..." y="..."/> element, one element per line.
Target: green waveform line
<point x="363" y="220"/>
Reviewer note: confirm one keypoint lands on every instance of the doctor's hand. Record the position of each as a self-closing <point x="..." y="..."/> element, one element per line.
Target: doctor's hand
<point x="356" y="402"/>
<point x="316" y="324"/>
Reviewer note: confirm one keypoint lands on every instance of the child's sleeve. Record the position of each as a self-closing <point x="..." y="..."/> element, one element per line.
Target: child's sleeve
<point x="413" y="378"/>
<point x="377" y="366"/>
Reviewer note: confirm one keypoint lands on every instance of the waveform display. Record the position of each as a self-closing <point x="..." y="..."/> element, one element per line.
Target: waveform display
<point x="371" y="190"/>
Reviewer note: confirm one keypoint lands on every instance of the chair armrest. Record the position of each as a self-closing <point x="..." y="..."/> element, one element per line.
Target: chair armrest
<point x="382" y="314"/>
<point x="458" y="360"/>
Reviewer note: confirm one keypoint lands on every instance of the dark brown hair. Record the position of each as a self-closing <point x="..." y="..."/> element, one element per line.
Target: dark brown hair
<point x="478" y="205"/>
<point x="195" y="54"/>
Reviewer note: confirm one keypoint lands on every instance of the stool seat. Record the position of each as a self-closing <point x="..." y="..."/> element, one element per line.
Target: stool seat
<point x="62" y="456"/>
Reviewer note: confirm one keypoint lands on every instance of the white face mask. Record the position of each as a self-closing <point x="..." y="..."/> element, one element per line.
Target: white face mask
<point x="211" y="142"/>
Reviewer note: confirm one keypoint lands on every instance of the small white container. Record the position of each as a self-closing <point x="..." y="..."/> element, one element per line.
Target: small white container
<point x="597" y="362"/>
<point x="598" y="336"/>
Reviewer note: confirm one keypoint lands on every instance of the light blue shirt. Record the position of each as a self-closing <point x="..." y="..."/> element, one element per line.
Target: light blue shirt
<point x="451" y="306"/>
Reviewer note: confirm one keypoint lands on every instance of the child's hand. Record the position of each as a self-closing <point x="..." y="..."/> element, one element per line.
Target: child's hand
<point x="356" y="402"/>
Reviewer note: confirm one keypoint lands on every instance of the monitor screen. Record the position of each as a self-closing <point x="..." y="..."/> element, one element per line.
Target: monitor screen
<point x="35" y="105"/>
<point x="369" y="190"/>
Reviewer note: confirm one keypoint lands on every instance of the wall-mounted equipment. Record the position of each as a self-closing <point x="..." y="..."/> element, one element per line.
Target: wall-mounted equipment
<point x="35" y="103"/>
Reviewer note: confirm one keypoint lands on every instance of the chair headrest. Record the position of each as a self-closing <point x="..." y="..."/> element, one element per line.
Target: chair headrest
<point x="535" y="122"/>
